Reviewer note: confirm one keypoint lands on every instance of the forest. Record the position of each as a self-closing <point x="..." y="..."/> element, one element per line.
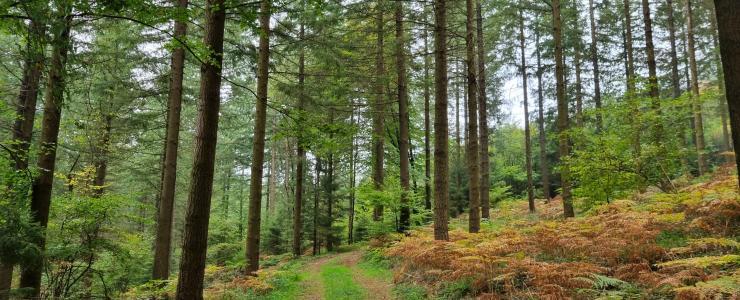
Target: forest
<point x="369" y="149"/>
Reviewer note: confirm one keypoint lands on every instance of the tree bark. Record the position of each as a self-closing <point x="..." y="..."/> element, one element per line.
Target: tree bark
<point x="427" y="125"/>
<point x="192" y="263"/>
<point x="6" y="279"/>
<point x="379" y="107"/>
<point x="403" y="120"/>
<point x="26" y="106"/>
<point x="441" y="167"/>
<point x="563" y="141"/>
<point x="544" y="165"/>
<point x="258" y="152"/>
<point x="527" y="134"/>
<point x="696" y="102"/>
<point x="471" y="145"/>
<point x="728" y="20"/>
<point x="595" y="63"/>
<point x="330" y="198"/>
<point x="485" y="181"/>
<point x="675" y="77"/>
<point x="42" y="186"/>
<point x="301" y="151"/>
<point x="101" y="162"/>
<point x="722" y="103"/>
<point x="579" y="90"/>
<point x="654" y="88"/>
<point x="317" y="193"/>
<point x="163" y="242"/>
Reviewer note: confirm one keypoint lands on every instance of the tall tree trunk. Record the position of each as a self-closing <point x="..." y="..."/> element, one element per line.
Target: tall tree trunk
<point x="299" y="173"/>
<point x="192" y="263"/>
<point x="563" y="142"/>
<point x="317" y="194"/>
<point x="163" y="242"/>
<point x="652" y="72"/>
<point x="544" y="165"/>
<point x="458" y="150"/>
<point x="728" y="20"/>
<point x="330" y="198"/>
<point x="441" y="139"/>
<point x="258" y="148"/>
<point x="403" y="120"/>
<point x="527" y="134"/>
<point x="696" y="102"/>
<point x="352" y="181"/>
<point x="579" y="90"/>
<point x="25" y="116"/>
<point x="378" y="140"/>
<point x="675" y="77"/>
<point x="26" y="106"/>
<point x="595" y="62"/>
<point x="42" y="186"/>
<point x="630" y="93"/>
<point x="272" y="179"/>
<point x="471" y="145"/>
<point x="101" y="161"/>
<point x="485" y="181"/>
<point x="722" y="103"/>
<point x="427" y="125"/>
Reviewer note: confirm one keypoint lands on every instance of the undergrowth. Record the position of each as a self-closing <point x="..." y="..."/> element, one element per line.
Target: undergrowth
<point x="682" y="245"/>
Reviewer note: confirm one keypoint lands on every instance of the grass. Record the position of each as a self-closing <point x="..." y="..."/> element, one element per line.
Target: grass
<point x="338" y="283"/>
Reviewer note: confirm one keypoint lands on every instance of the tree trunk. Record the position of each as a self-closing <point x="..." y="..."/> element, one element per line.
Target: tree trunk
<point x="163" y="242"/>
<point x="441" y="167"/>
<point x="272" y="179"/>
<point x="378" y="117"/>
<point x="330" y="198"/>
<point x="722" y="104"/>
<point x="193" y="260"/>
<point x="352" y="181"/>
<point x="317" y="193"/>
<point x="458" y="151"/>
<point x="595" y="62"/>
<point x="427" y="126"/>
<point x="25" y="115"/>
<point x="527" y="134"/>
<point x="675" y="77"/>
<point x="26" y="106"/>
<point x="471" y="145"/>
<point x="628" y="47"/>
<point x="544" y="166"/>
<point x="696" y="102"/>
<point x="563" y="142"/>
<point x="485" y="181"/>
<point x="298" y="205"/>
<point x="42" y="186"/>
<point x="579" y="90"/>
<point x="403" y="120"/>
<point x="652" y="72"/>
<point x="728" y="20"/>
<point x="6" y="279"/>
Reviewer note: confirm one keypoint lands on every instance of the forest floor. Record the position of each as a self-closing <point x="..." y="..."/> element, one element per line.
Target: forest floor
<point x="345" y="276"/>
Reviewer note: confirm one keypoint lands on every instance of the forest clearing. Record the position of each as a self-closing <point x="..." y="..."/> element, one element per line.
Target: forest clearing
<point x="369" y="149"/>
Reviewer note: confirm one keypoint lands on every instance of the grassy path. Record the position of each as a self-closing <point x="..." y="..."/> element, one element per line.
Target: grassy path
<point x="344" y="277"/>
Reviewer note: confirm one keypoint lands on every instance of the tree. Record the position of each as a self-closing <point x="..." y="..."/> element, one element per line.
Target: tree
<point x="300" y="173"/>
<point x="652" y="70"/>
<point x="595" y="62"/>
<point x="562" y="121"/>
<point x="403" y="120"/>
<point x="696" y="102"/>
<point x="258" y="148"/>
<point x="525" y="92"/>
<point x="192" y="263"/>
<point x="471" y="145"/>
<point x="544" y="164"/>
<point x="379" y="110"/>
<point x="728" y="17"/>
<point x="163" y="241"/>
<point x="485" y="180"/>
<point x="441" y="167"/>
<point x="42" y="186"/>
<point x="427" y="124"/>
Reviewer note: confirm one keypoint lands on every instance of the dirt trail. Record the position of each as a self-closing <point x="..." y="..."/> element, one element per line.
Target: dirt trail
<point x="313" y="286"/>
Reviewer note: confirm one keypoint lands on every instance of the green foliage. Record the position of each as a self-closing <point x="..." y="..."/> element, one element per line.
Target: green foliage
<point x="454" y="289"/>
<point x="671" y="239"/>
<point x="18" y="232"/>
<point x="409" y="291"/>
<point x="724" y="261"/>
